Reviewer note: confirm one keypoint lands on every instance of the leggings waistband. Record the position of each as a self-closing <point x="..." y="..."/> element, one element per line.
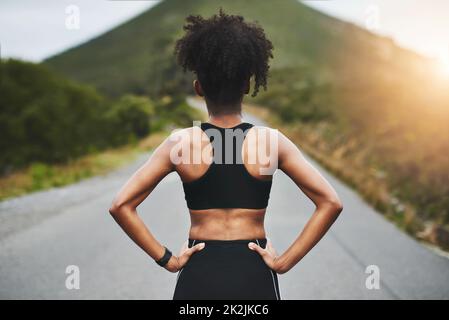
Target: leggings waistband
<point x="260" y="241"/>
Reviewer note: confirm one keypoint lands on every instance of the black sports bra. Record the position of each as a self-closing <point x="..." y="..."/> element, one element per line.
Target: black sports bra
<point x="227" y="183"/>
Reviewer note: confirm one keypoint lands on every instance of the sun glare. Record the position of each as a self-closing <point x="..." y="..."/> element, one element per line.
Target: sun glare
<point x="444" y="62"/>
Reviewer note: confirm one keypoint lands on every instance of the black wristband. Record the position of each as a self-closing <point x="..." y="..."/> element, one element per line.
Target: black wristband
<point x="164" y="260"/>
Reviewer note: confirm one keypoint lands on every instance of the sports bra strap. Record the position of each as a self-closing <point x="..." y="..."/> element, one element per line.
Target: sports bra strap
<point x="227" y="183"/>
<point x="227" y="143"/>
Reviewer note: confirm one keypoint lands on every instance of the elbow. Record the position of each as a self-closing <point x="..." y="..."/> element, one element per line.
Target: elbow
<point x="338" y="207"/>
<point x="335" y="206"/>
<point x="116" y="208"/>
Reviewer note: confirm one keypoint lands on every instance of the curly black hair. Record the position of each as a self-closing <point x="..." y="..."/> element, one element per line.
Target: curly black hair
<point x="224" y="52"/>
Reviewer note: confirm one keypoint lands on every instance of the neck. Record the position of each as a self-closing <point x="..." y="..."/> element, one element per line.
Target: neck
<point x="225" y="120"/>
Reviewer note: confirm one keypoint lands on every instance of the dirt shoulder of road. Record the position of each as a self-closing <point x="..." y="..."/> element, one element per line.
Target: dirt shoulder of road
<point x="368" y="184"/>
<point x="40" y="176"/>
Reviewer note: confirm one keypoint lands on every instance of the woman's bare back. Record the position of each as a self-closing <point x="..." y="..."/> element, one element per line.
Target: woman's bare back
<point x="225" y="223"/>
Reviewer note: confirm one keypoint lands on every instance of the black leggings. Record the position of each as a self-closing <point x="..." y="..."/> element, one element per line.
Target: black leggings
<point x="226" y="269"/>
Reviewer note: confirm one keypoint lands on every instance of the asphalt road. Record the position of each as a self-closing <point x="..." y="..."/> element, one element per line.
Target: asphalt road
<point x="43" y="233"/>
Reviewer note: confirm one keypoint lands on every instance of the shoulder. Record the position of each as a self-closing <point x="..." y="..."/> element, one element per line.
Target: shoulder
<point x="272" y="139"/>
<point x="272" y="134"/>
<point x="259" y="130"/>
<point x="182" y="142"/>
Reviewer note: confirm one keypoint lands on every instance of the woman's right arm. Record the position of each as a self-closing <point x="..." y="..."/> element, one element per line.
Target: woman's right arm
<point x="328" y="206"/>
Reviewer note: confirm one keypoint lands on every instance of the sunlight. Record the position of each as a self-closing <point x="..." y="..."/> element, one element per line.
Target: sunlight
<point x="444" y="62"/>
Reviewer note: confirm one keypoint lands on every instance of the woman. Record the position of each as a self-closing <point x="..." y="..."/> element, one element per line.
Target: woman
<point x="226" y="180"/>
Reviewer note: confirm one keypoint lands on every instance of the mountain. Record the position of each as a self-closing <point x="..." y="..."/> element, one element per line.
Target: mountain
<point x="137" y="56"/>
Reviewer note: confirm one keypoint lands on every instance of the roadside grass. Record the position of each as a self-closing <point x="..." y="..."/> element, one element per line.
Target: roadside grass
<point x="368" y="182"/>
<point x="40" y="176"/>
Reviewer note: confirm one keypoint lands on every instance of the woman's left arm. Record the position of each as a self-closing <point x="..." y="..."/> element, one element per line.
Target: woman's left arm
<point x="135" y="190"/>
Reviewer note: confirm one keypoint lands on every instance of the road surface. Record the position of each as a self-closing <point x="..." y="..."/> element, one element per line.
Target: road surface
<point x="43" y="233"/>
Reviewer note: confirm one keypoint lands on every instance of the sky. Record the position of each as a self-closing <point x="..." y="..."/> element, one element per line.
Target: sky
<point x="35" y="30"/>
<point x="420" y="25"/>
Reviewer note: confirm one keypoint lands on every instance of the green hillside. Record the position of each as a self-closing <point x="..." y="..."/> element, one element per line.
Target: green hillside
<point x="138" y="55"/>
<point x="369" y="105"/>
<point x="46" y="118"/>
